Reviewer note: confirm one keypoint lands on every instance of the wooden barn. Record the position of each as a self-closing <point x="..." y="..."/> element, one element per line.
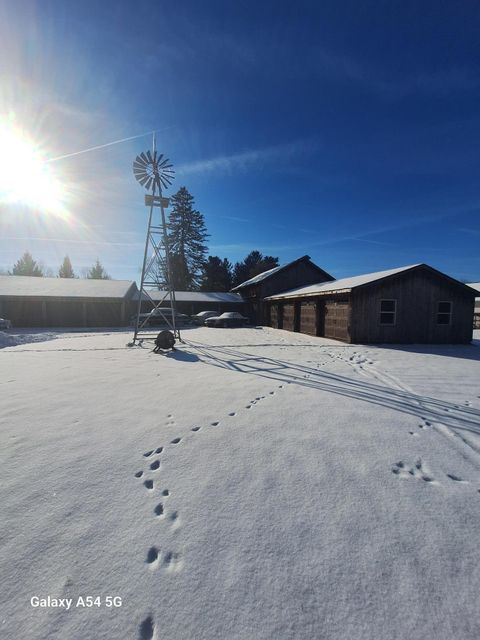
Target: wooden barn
<point x="300" y="272"/>
<point x="65" y="302"/>
<point x="192" y="302"/>
<point x="414" y="304"/>
<point x="476" y="315"/>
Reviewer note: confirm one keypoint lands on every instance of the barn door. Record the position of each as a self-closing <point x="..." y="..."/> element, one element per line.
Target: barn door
<point x="289" y="316"/>
<point x="308" y="318"/>
<point x="336" y="320"/>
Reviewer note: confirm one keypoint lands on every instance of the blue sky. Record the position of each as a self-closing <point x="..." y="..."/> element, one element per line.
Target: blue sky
<point x="347" y="131"/>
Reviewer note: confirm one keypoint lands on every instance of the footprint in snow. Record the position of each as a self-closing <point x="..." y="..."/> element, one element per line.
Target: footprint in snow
<point x="148" y="484"/>
<point x="214" y="424"/>
<point x="232" y="414"/>
<point x="175" y="441"/>
<point x="147" y="629"/>
<point x="155" y="465"/>
<point x="456" y="478"/>
<point x="196" y="428"/>
<point x="172" y="562"/>
<point x="147" y="454"/>
<point x="158" y="511"/>
<point x="139" y="474"/>
<point x="152" y="555"/>
<point x="418" y="471"/>
<point x="165" y="492"/>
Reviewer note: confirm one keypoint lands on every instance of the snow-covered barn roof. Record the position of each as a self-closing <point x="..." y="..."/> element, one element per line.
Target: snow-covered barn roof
<point x="29" y="286"/>
<point x="196" y="296"/>
<point x="270" y="272"/>
<point x="344" y="284"/>
<point x="475" y="285"/>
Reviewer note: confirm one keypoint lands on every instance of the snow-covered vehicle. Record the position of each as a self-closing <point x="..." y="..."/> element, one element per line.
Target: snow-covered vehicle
<point x="162" y="316"/>
<point x="5" y="324"/>
<point x="227" y="319"/>
<point x="200" y="318"/>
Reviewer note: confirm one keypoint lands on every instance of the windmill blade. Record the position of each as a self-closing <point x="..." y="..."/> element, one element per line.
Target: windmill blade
<point x="160" y="156"/>
<point x="139" y="165"/>
<point x="144" y="157"/>
<point x="143" y="180"/>
<point x="149" y="156"/>
<point x="149" y="183"/>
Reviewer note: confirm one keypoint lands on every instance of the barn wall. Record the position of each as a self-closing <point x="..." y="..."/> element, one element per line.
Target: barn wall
<point x="300" y="274"/>
<point x="417" y="294"/>
<point x="297" y="275"/>
<point x="65" y="312"/>
<point x="23" y="312"/>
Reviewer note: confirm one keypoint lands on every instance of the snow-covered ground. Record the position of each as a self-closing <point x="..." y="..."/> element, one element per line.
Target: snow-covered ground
<point x="253" y="485"/>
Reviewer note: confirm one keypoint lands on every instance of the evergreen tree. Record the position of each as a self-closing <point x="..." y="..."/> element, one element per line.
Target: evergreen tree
<point x="66" y="269"/>
<point x="27" y="266"/>
<point x="253" y="264"/>
<point x="216" y="275"/>
<point x="97" y="272"/>
<point x="187" y="236"/>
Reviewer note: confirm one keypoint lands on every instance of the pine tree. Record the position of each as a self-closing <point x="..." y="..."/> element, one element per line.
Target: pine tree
<point x="253" y="264"/>
<point x="217" y="275"/>
<point x="27" y="266"/>
<point x="97" y="272"/>
<point x="187" y="236"/>
<point x="66" y="269"/>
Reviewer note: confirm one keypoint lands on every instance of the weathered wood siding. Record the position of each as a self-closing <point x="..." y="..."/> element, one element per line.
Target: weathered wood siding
<point x="417" y="294"/>
<point x="289" y="316"/>
<point x="308" y="317"/>
<point x="276" y="316"/>
<point x="299" y="274"/>
<point x="337" y="319"/>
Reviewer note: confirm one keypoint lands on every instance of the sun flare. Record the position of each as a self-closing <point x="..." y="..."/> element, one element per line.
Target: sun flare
<point x="25" y="176"/>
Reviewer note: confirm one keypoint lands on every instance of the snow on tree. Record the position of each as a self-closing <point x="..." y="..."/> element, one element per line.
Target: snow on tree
<point x="27" y="266"/>
<point x="187" y="236"/>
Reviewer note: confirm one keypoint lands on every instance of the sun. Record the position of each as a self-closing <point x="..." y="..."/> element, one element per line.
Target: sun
<point x="25" y="176"/>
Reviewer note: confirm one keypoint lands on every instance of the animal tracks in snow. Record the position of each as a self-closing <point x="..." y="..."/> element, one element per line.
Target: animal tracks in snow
<point x="170" y="561"/>
<point x="420" y="471"/>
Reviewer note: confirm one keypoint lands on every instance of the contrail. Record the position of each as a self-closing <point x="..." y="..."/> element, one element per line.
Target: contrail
<point x="102" y="146"/>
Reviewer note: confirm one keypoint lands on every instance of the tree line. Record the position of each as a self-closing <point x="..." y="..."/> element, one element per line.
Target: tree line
<point x="192" y="268"/>
<point x="27" y="266"/>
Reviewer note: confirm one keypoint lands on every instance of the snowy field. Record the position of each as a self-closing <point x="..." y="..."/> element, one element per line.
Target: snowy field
<point x="255" y="484"/>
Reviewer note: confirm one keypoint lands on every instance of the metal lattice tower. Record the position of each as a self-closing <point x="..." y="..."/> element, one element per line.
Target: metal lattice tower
<point x="153" y="171"/>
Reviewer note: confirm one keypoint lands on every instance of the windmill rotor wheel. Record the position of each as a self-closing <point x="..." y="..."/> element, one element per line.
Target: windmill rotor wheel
<point x="153" y="171"/>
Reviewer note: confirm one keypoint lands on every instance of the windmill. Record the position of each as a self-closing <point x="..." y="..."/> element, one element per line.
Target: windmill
<point x="154" y="172"/>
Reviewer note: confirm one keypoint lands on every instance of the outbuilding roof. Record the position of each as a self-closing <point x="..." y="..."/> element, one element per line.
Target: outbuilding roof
<point x="270" y="272"/>
<point x="344" y="285"/>
<point x="475" y="285"/>
<point x="196" y="296"/>
<point x="29" y="286"/>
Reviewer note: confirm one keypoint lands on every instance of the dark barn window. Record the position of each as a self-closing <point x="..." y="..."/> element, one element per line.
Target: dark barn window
<point x="444" y="313"/>
<point x="388" y="312"/>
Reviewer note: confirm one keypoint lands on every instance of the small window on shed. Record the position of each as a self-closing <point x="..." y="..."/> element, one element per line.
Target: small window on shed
<point x="388" y="312"/>
<point x="444" y="313"/>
